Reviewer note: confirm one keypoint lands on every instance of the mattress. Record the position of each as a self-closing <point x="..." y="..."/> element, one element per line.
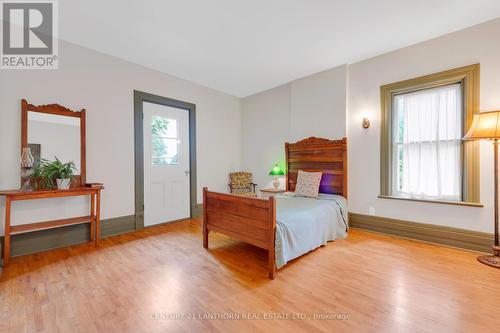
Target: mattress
<point x="304" y="224"/>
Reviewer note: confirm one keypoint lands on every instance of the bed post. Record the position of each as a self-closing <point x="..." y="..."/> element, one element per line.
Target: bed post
<point x="272" y="219"/>
<point x="286" y="167"/>
<point x="345" y="167"/>
<point x="204" y="225"/>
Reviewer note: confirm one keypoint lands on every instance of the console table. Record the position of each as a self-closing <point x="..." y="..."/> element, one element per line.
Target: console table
<point x="16" y="195"/>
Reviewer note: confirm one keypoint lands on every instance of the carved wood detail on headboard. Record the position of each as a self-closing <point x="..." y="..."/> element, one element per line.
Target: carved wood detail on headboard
<point x="318" y="154"/>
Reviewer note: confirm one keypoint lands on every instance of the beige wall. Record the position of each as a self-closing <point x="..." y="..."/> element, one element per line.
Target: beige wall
<point x="316" y="105"/>
<point x="478" y="44"/>
<point x="104" y="86"/>
<point x="266" y="127"/>
<point x="311" y="106"/>
<point x="253" y="139"/>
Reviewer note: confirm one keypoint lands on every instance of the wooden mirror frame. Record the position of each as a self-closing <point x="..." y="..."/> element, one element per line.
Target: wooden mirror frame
<point x="56" y="109"/>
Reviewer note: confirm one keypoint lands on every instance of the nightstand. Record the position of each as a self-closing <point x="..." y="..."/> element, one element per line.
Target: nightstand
<point x="269" y="192"/>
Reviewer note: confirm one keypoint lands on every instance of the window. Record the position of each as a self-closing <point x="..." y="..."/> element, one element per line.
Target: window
<point x="423" y="156"/>
<point x="427" y="154"/>
<point x="165" y="142"/>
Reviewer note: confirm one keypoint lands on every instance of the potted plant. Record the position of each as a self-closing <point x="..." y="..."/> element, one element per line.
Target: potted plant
<point x="47" y="171"/>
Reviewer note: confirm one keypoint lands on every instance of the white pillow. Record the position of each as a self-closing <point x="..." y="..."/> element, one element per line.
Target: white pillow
<point x="308" y="184"/>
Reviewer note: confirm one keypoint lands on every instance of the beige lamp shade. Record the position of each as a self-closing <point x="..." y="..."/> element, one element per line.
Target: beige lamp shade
<point x="485" y="125"/>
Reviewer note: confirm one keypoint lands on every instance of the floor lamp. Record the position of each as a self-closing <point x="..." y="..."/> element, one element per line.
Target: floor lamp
<point x="486" y="126"/>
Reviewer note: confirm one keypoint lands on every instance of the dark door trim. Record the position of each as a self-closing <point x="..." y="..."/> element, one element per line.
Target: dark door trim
<point x="139" y="98"/>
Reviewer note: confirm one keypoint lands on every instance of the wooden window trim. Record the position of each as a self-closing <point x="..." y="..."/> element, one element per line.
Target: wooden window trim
<point x="468" y="76"/>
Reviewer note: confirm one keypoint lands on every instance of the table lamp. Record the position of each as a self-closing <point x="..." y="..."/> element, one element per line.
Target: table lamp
<point x="486" y="126"/>
<point x="276" y="171"/>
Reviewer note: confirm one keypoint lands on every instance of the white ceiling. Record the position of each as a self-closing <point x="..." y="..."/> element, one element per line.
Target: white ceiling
<point x="243" y="47"/>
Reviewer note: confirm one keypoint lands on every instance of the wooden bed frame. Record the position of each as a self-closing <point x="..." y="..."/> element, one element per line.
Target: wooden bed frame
<point x="253" y="220"/>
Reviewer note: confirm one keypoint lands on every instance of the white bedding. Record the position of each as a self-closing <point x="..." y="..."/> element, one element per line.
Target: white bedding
<point x="304" y="224"/>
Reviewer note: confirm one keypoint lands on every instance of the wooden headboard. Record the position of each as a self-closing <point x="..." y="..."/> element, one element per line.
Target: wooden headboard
<point x="318" y="154"/>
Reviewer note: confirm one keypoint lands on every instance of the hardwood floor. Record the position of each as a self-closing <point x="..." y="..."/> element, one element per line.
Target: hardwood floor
<point x="137" y="282"/>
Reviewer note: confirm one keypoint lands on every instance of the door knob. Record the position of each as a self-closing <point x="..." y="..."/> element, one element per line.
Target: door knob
<point x="187" y="172"/>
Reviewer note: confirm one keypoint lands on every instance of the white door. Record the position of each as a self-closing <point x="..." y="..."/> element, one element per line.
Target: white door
<point x="166" y="163"/>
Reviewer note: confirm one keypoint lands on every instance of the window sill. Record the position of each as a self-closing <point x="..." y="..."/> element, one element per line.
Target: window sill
<point x="444" y="202"/>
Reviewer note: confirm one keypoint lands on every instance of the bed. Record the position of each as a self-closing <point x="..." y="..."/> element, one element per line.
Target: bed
<point x="287" y="226"/>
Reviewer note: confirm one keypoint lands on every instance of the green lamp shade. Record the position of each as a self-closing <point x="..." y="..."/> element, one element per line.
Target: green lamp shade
<point x="276" y="171"/>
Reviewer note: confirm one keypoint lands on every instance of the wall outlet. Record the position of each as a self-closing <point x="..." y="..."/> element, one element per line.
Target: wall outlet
<point x="371" y="210"/>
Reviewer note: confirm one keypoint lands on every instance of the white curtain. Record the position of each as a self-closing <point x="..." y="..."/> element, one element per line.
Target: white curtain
<point x="427" y="143"/>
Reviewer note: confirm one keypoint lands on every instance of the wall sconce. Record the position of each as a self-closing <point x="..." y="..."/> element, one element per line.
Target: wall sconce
<point x="365" y="123"/>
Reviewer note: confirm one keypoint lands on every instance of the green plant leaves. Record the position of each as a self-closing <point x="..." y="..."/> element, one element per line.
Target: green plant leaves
<point x="48" y="171"/>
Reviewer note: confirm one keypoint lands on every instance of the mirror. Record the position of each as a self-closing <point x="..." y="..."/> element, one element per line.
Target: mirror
<point x="53" y="135"/>
<point x="55" y="131"/>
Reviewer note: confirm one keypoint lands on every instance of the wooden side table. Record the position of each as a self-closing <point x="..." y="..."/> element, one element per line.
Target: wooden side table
<point x="270" y="192"/>
<point x="16" y="195"/>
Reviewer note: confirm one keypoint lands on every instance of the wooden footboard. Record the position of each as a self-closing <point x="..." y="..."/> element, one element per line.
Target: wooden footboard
<point x="250" y="220"/>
